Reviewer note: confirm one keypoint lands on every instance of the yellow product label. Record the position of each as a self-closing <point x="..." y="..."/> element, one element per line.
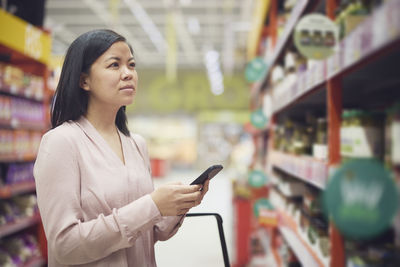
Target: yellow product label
<point x="25" y="38"/>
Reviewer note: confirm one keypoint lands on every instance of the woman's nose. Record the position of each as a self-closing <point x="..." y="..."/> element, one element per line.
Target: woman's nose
<point x="127" y="73"/>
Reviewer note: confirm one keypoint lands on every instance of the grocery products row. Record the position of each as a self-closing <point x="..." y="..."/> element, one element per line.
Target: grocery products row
<point x="332" y="120"/>
<point x="364" y="134"/>
<point x="15" y="81"/>
<point x="18" y="112"/>
<point x="20" y="251"/>
<point x="15" y="173"/>
<point x="19" y="144"/>
<point x="17" y="208"/>
<point x="24" y="106"/>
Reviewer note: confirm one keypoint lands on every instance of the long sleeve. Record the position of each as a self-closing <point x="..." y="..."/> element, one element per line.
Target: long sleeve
<point x="72" y="239"/>
<point x="167" y="228"/>
<point x="169" y="225"/>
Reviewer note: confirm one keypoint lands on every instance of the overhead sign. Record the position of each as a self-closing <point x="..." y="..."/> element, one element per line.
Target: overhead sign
<point x="361" y="198"/>
<point x="316" y="36"/>
<point x="17" y="34"/>
<point x="255" y="69"/>
<point x="257" y="178"/>
<point x="258" y="119"/>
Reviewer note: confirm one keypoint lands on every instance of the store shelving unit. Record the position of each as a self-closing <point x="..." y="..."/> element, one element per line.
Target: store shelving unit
<point x="360" y="74"/>
<point x="27" y="49"/>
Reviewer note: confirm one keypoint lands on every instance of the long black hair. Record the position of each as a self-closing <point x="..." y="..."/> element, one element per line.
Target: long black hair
<point x="71" y="101"/>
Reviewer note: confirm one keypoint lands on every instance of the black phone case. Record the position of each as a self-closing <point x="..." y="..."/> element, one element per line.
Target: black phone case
<point x="207" y="174"/>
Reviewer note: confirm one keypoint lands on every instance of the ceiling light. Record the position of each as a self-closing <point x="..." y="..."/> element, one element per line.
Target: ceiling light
<point x="193" y="25"/>
<point x="214" y="73"/>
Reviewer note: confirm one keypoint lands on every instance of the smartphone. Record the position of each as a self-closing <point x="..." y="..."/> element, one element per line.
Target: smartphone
<point x="207" y="174"/>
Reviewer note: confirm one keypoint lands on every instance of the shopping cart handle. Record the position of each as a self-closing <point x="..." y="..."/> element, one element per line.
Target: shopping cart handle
<point x="220" y="230"/>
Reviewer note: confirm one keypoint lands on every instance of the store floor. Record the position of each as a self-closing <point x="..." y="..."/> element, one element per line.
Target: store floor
<point x="197" y="243"/>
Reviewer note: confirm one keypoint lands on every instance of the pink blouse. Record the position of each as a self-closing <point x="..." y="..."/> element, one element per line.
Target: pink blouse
<point x="96" y="211"/>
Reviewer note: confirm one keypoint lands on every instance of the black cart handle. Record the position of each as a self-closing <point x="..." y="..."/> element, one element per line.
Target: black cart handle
<point x="220" y="230"/>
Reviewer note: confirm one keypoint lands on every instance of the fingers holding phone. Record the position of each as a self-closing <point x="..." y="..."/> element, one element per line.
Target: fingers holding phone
<point x="176" y="199"/>
<point x="203" y="190"/>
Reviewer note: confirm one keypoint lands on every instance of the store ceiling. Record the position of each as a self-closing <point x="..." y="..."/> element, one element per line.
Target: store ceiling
<point x="149" y="25"/>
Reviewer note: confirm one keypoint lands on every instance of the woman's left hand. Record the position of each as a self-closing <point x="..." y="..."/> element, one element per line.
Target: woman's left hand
<point x="203" y="191"/>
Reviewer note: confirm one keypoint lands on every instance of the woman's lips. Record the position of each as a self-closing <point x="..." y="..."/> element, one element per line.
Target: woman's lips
<point x="127" y="87"/>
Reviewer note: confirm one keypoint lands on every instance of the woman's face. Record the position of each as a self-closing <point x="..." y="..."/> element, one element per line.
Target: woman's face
<point x="112" y="79"/>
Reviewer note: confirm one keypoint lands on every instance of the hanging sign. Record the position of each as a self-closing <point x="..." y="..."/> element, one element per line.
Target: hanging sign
<point x="258" y="119"/>
<point x="257" y="178"/>
<point x="316" y="36"/>
<point x="261" y="204"/>
<point x="361" y="198"/>
<point x="255" y="69"/>
<point x="25" y="38"/>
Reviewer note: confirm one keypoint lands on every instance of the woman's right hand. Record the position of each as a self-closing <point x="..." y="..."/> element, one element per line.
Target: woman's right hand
<point x="175" y="198"/>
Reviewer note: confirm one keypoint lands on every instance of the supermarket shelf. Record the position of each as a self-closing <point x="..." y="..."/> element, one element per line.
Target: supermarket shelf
<point x="8" y="191"/>
<point x="35" y="262"/>
<point x="22" y="92"/>
<point x="306" y="254"/>
<point x="365" y="42"/>
<point x="16" y="124"/>
<point x="297" y="11"/>
<point x="17" y="157"/>
<point x="299" y="249"/>
<point x="18" y="225"/>
<point x="308" y="169"/>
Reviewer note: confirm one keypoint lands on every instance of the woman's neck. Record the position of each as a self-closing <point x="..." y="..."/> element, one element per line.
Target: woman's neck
<point x="103" y="120"/>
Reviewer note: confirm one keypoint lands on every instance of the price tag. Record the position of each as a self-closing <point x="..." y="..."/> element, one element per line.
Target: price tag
<point x="393" y="19"/>
<point x="366" y="37"/>
<point x="379" y="28"/>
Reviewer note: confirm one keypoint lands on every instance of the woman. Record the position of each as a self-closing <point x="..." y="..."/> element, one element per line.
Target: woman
<point x="94" y="188"/>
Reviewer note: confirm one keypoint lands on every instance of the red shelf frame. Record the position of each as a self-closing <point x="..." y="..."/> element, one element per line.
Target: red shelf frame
<point x="8" y="191"/>
<point x="19" y="225"/>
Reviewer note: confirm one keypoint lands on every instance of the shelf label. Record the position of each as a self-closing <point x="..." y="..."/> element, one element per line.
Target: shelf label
<point x="262" y="204"/>
<point x="361" y="198"/>
<point x="316" y="36"/>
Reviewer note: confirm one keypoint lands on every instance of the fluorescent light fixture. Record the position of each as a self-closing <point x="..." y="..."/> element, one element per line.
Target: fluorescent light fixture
<point x="147" y="24"/>
<point x="185" y="2"/>
<point x="214" y="73"/>
<point x="193" y="25"/>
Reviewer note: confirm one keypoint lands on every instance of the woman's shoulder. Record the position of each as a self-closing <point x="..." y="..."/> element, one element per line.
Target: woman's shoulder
<point x="65" y="132"/>
<point x="138" y="138"/>
<point x="140" y="142"/>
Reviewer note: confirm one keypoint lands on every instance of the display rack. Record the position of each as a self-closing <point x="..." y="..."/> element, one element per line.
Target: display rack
<point x="331" y="85"/>
<point x="25" y="52"/>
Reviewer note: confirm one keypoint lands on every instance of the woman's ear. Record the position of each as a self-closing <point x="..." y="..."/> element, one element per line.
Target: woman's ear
<point x="83" y="83"/>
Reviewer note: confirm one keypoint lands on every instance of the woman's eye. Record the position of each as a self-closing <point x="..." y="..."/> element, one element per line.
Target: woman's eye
<point x="114" y="64"/>
<point x="132" y="64"/>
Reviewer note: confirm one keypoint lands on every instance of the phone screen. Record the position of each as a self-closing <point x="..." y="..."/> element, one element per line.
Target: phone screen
<point x="207" y="174"/>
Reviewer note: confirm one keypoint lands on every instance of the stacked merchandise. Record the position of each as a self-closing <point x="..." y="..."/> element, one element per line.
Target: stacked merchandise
<point x="326" y="114"/>
<point x="24" y="102"/>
